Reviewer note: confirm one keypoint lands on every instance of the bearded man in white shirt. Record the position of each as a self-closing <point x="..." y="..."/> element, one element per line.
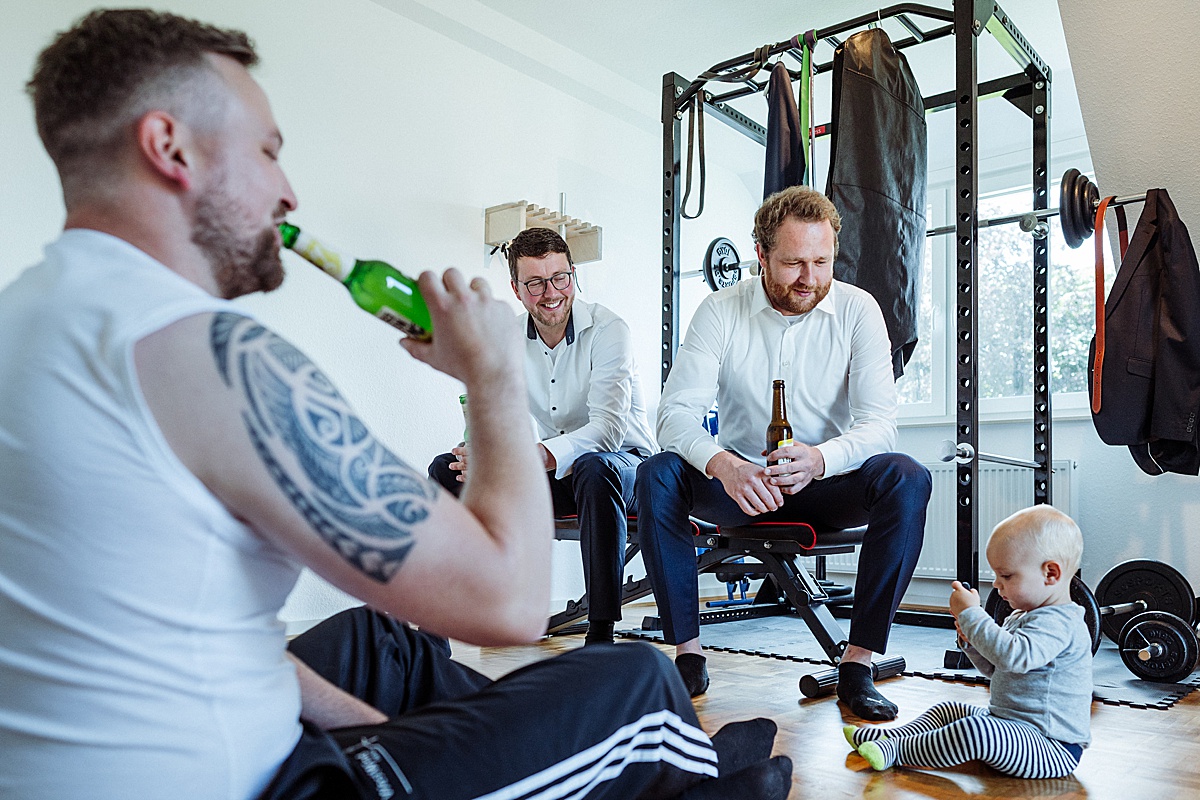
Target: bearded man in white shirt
<point x="587" y="403"/>
<point x="828" y="341"/>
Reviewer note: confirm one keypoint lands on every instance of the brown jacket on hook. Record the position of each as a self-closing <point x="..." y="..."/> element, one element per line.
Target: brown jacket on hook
<point x="1150" y="381"/>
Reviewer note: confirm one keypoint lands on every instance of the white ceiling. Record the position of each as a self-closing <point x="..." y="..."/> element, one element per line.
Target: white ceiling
<point x="612" y="54"/>
<point x="642" y="39"/>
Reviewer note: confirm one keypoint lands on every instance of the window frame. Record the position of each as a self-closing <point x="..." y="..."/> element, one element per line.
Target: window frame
<point x="1008" y="177"/>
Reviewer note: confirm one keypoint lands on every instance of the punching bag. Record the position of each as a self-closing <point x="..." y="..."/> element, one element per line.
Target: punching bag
<point x="877" y="180"/>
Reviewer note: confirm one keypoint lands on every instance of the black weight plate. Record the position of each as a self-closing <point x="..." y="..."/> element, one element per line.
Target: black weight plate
<point x="1084" y="192"/>
<point x="999" y="609"/>
<point x="721" y="261"/>
<point x="1160" y="585"/>
<point x="1175" y="638"/>
<point x="1082" y="595"/>
<point x="1080" y="208"/>
<point x="1090" y="203"/>
<point x="1067" y="215"/>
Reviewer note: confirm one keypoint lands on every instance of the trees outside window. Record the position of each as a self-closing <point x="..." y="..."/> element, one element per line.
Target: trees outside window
<point x="1005" y="332"/>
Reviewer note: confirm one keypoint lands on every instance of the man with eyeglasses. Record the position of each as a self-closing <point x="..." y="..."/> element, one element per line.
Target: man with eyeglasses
<point x="587" y="403"/>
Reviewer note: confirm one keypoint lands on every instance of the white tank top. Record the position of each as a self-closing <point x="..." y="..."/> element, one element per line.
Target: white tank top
<point x="141" y="655"/>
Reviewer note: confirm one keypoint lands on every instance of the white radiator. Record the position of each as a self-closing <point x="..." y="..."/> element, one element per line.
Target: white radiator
<point x="1001" y="491"/>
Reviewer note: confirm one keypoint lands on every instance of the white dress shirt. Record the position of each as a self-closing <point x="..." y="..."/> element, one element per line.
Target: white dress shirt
<point x="836" y="362"/>
<point x="584" y="394"/>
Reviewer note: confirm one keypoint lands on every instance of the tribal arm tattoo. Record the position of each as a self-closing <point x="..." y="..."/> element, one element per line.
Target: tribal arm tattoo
<point x="360" y="498"/>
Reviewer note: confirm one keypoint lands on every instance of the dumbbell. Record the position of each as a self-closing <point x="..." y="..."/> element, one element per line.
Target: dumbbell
<point x="1148" y="608"/>
<point x="820" y="684"/>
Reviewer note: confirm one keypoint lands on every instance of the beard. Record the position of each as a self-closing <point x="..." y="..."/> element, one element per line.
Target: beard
<point x="241" y="263"/>
<point x="782" y="296"/>
<point x="552" y="319"/>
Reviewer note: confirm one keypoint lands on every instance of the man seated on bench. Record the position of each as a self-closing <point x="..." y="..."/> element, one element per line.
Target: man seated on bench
<point x="586" y="399"/>
<point x="826" y="339"/>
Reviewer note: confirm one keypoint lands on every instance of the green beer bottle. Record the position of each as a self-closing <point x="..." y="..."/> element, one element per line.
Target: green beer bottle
<point x="462" y="399"/>
<point x="376" y="286"/>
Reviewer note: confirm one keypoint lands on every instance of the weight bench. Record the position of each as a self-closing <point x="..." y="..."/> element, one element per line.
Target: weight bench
<point x="775" y="547"/>
<point x="567" y="621"/>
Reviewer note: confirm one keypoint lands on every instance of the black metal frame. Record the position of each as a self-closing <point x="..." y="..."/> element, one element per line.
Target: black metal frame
<point x="1028" y="90"/>
<point x="797" y="591"/>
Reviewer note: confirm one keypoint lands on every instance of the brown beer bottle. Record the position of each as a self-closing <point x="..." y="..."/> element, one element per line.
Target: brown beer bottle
<point x="779" y="432"/>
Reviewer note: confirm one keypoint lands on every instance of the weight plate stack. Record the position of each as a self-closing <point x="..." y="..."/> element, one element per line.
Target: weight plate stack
<point x="721" y="261"/>
<point x="1157" y="646"/>
<point x="1159" y="585"/>
<point x="999" y="609"/>
<point x="1078" y="199"/>
<point x="1066" y="210"/>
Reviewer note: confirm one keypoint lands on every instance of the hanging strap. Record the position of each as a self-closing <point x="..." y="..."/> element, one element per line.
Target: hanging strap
<point x="695" y="126"/>
<point x="758" y="62"/>
<point x="806" y="107"/>
<point x="1123" y="233"/>
<point x="805" y="98"/>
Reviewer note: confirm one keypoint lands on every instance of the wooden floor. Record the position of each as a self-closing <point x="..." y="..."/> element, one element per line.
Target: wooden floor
<point x="1134" y="754"/>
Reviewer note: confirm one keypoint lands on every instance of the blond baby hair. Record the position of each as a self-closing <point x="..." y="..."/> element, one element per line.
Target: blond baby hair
<point x="1045" y="530"/>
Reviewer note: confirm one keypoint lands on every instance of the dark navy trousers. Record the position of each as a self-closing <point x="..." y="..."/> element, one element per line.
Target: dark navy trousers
<point x="600" y="491"/>
<point x="888" y="493"/>
<point x="608" y="721"/>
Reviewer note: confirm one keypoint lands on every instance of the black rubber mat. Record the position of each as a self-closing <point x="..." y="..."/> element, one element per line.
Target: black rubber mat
<point x="787" y="638"/>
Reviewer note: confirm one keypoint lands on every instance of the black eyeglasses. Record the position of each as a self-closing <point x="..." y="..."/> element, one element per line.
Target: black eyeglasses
<point x="559" y="280"/>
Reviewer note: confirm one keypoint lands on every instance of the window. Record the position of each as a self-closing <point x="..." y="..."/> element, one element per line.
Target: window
<point x="916" y="385"/>
<point x="1005" y="313"/>
<point x="922" y="387"/>
<point x="1006" y="306"/>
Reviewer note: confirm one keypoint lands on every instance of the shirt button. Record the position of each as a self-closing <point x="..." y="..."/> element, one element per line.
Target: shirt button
<point x="552" y="380"/>
<point x="562" y="431"/>
<point x="554" y="408"/>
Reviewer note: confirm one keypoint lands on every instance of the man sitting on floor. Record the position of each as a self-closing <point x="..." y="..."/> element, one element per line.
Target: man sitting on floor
<point x="170" y="464"/>
<point x="827" y="341"/>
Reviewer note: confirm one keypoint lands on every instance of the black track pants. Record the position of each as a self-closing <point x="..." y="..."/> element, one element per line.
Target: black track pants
<point x="611" y="721"/>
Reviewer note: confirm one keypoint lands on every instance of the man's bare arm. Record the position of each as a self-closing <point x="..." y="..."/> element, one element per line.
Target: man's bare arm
<point x="272" y="438"/>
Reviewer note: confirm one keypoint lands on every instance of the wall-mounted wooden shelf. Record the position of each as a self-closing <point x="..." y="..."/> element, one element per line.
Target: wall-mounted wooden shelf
<point x="505" y="221"/>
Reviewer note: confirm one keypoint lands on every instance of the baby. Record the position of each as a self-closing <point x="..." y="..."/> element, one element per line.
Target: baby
<point x="1039" y="661"/>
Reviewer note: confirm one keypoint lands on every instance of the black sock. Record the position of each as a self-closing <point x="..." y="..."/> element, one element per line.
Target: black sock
<point x="856" y="689"/>
<point x="743" y="744"/>
<point x="693" y="668"/>
<point x="600" y="631"/>
<point x="766" y="780"/>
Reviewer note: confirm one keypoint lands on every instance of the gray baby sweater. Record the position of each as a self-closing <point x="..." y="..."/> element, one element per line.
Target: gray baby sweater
<point x="1040" y="663"/>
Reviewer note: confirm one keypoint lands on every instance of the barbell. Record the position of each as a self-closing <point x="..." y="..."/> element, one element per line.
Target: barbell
<point x="1078" y="199"/>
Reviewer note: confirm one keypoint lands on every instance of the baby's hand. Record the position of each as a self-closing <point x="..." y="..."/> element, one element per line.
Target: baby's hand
<point x="962" y="598"/>
<point x="963" y="641"/>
